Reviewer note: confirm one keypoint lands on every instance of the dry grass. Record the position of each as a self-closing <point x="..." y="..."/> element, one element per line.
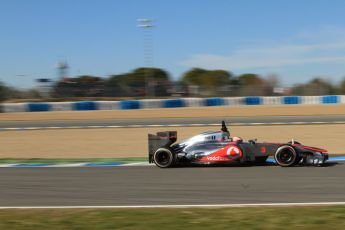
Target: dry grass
<point x="315" y="218"/>
<point x="132" y="142"/>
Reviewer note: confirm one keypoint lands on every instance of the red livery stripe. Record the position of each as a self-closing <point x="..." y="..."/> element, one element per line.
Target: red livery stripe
<point x="310" y="148"/>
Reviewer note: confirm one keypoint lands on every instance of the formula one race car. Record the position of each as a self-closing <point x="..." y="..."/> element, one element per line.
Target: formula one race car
<point x="218" y="147"/>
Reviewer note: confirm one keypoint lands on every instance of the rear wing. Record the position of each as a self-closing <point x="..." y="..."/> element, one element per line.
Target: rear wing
<point x="160" y="140"/>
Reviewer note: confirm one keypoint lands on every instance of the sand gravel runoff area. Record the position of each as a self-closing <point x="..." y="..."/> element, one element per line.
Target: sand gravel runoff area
<point x="132" y="142"/>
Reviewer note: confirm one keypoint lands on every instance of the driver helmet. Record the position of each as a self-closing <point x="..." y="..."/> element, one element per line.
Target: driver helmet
<point x="237" y="139"/>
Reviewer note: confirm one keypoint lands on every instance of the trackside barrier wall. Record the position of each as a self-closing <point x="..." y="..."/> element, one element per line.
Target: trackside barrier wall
<point x="131" y="104"/>
<point x="331" y="99"/>
<point x="173" y="103"/>
<point x="169" y="103"/>
<point x="151" y="103"/>
<point x="38" y="107"/>
<point x="194" y="102"/>
<point x="313" y="100"/>
<point x="14" y="107"/>
<point x="108" y="105"/>
<point x="216" y="101"/>
<point x="253" y="100"/>
<point x="61" y="106"/>
<point x="234" y="101"/>
<point x="342" y="99"/>
<point x="271" y="100"/>
<point x="291" y="100"/>
<point x="85" y="105"/>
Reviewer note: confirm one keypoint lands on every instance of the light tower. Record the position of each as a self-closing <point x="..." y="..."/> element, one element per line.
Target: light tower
<point x="62" y="68"/>
<point x="147" y="25"/>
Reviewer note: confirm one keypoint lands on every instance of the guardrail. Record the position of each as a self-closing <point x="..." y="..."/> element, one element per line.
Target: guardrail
<point x="170" y="103"/>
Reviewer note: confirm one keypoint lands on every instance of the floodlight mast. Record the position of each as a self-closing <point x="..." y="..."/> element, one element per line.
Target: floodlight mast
<point x="147" y="25"/>
<point x="145" y="22"/>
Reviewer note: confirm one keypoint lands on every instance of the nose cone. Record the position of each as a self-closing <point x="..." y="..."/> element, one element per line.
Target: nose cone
<point x="313" y="149"/>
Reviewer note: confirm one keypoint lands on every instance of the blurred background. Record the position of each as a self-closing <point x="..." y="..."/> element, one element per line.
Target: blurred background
<point x="156" y="83"/>
<point x="80" y="50"/>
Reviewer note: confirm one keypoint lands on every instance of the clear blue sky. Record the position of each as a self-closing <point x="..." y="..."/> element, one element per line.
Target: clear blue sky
<point x="294" y="39"/>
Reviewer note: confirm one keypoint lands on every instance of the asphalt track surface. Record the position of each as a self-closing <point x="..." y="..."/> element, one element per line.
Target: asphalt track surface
<point x="146" y="185"/>
<point x="170" y="121"/>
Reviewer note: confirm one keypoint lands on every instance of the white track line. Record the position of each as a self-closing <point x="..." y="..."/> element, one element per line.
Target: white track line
<point x="53" y="127"/>
<point x="32" y="128"/>
<point x="137" y="164"/>
<point x="7" y="165"/>
<point x="179" y="206"/>
<point x="65" y="165"/>
<point x="172" y="125"/>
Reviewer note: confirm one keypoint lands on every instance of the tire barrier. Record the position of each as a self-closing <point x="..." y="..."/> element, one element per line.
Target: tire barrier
<point x="151" y="103"/>
<point x="332" y="99"/>
<point x="194" y="102"/>
<point x="271" y="100"/>
<point x="38" y="107"/>
<point x="312" y="100"/>
<point x="291" y="100"/>
<point x="233" y="101"/>
<point x="85" y="105"/>
<point x="173" y="103"/>
<point x="14" y="107"/>
<point x="169" y="103"/>
<point x="253" y="100"/>
<point x="61" y="106"/>
<point x="217" y="101"/>
<point x="131" y="104"/>
<point x="108" y="105"/>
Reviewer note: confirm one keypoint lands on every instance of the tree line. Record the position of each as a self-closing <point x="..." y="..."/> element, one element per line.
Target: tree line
<point x="156" y="82"/>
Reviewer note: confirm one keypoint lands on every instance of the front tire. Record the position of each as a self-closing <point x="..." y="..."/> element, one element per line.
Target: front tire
<point x="286" y="156"/>
<point x="164" y="158"/>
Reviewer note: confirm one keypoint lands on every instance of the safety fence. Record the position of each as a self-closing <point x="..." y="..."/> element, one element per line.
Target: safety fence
<point x="170" y="103"/>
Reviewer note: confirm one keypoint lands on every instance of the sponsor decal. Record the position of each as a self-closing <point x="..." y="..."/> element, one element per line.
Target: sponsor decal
<point x="233" y="151"/>
<point x="226" y="154"/>
<point x="263" y="149"/>
<point x="216" y="158"/>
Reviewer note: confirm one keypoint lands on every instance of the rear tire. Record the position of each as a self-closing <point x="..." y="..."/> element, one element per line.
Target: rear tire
<point x="164" y="158"/>
<point x="286" y="156"/>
